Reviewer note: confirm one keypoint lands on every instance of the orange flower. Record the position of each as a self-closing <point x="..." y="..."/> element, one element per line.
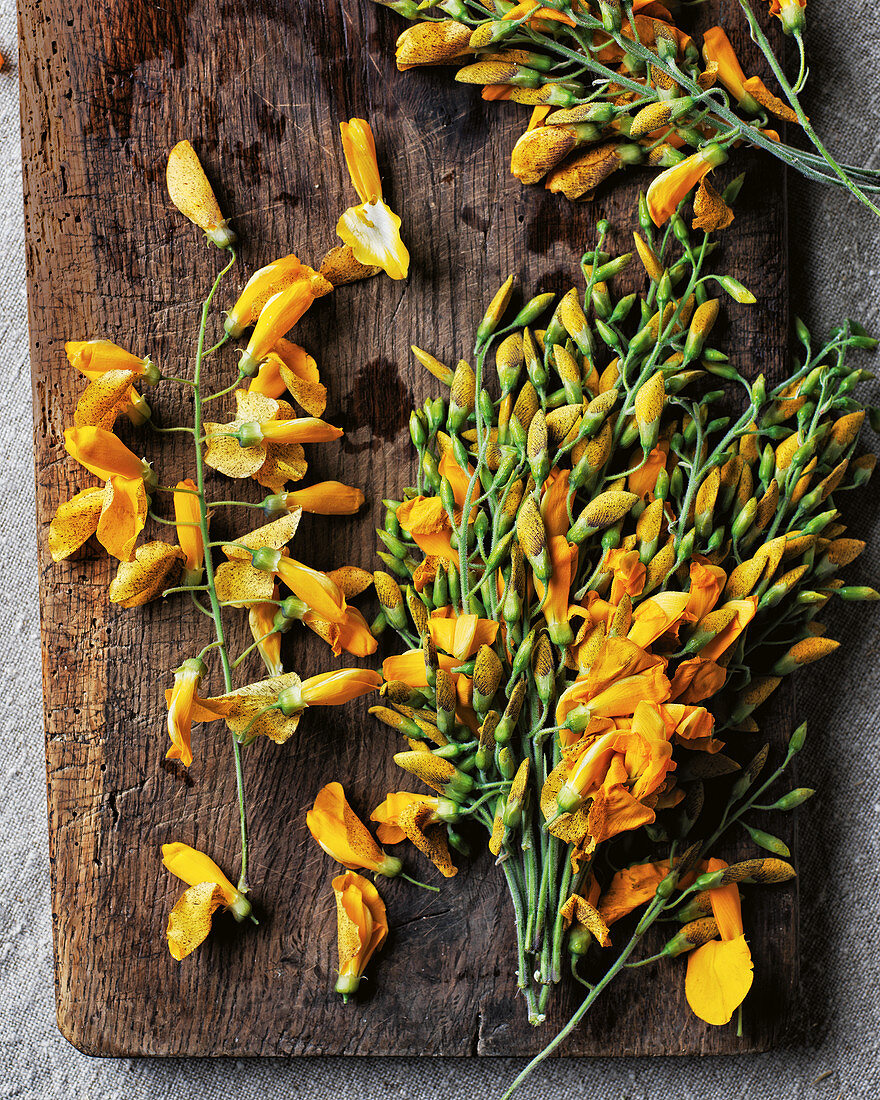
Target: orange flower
<point x="180" y="709"/>
<point x="103" y="454"/>
<point x="555" y="606"/>
<point x="642" y="481"/>
<point x="628" y="573"/>
<point x="388" y="812"/>
<point x="190" y="920"/>
<point x="720" y="973"/>
<point x="669" y="188"/>
<point x="427" y="521"/>
<point x="326" y="498"/>
<point x="657" y="615"/>
<point x="632" y="887"/>
<point x="790" y="13"/>
<point x="695" y="680"/>
<point x="362" y="926"/>
<point x="372" y="230"/>
<point x="351" y="633"/>
<point x="193" y="196"/>
<point x="280" y="314"/>
<point x="189" y="534"/>
<point x="460" y="635"/>
<point x="620" y="769"/>
<point x="616" y="700"/>
<point x="289" y="367"/>
<point x="745" y="612"/>
<point x="320" y="592"/>
<point x="554" y="503"/>
<point x="717" y="49"/>
<point x="691" y="726"/>
<point x="261" y="620"/>
<point x="260" y="287"/>
<point x="409" y="667"/>
<point x="458" y="479"/>
<point x="341" y="686"/>
<point x="342" y="834"/>
<point x="707" y="583"/>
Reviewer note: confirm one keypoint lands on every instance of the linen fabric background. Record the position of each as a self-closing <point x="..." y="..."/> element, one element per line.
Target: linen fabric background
<point x="833" y="1051"/>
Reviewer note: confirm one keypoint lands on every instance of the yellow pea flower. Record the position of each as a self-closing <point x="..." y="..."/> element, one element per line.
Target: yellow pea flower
<point x="190" y="920"/>
<point x="362" y="926"/>
<point x="371" y="229"/>
<point x="193" y="196"/>
<point x="720" y="973"/>
<point x="180" y="709"/>
<point x="342" y="835"/>
<point x="260" y="287"/>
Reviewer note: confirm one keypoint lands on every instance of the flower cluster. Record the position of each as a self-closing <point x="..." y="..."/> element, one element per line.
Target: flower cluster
<point x="603" y="570"/>
<point x="262" y="441"/>
<point x="614" y="84"/>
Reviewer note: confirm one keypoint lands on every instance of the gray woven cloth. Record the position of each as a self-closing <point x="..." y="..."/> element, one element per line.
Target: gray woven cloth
<point x="835" y="1051"/>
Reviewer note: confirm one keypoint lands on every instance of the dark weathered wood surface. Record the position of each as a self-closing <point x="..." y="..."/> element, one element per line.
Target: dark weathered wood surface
<point x="260" y="88"/>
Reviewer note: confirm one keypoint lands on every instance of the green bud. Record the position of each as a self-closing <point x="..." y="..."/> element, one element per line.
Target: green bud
<point x="767" y="841"/>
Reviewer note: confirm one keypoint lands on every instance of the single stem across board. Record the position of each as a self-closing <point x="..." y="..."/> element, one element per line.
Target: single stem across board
<point x="216" y="612"/>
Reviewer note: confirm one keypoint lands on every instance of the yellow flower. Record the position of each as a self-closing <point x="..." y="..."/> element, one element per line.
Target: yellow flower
<point x="371" y="229"/>
<point x="280" y="314"/>
<point x="460" y="635"/>
<point x="75" y="522"/>
<point x="790" y="13"/>
<point x="326" y="498"/>
<point x="273" y="707"/>
<point x="264" y="441"/>
<point x="180" y="710"/>
<point x="342" y="834"/>
<point x="290" y="367"/>
<point x="187" y="517"/>
<point x="126" y="502"/>
<point x="260" y="287"/>
<point x="261" y="620"/>
<point x="362" y="926"/>
<point x="720" y="973"/>
<point x="155" y="567"/>
<point x="403" y="815"/>
<point x="669" y="188"/>
<point x="94" y="358"/>
<point x="190" y="920"/>
<point x="193" y="196"/>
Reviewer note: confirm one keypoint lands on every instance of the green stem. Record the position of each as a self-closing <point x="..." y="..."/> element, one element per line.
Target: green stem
<point x="216" y="613"/>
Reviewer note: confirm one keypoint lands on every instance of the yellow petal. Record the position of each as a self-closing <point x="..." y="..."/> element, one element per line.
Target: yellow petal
<point x="75" y="522"/>
<point x="154" y="568"/>
<point x="273" y="535"/>
<point x="719" y="975"/>
<point x="123" y="516"/>
<point x="189" y="922"/>
<point x="373" y="231"/>
<point x="103" y="399"/>
<point x="238" y="583"/>
<point x="194" y="867"/>
<point x="224" y="453"/>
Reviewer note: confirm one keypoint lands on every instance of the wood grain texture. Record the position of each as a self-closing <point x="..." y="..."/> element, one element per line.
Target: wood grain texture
<point x="260" y="88"/>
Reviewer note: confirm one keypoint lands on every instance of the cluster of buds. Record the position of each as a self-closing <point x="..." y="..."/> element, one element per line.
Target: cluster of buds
<point x="613" y="85"/>
<point x="606" y="564"/>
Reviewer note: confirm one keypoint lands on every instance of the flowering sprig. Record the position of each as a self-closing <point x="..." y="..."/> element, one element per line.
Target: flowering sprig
<point x="613" y="84"/>
<point x="604" y="566"/>
<point x="264" y="441"/>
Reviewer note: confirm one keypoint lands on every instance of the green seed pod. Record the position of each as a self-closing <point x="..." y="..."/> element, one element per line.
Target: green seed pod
<point x="768" y="841"/>
<point x="394" y="545"/>
<point x="391" y="598"/>
<point x="395" y="565"/>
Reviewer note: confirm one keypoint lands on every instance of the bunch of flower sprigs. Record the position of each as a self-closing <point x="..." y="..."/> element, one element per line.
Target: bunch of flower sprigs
<point x="263" y="441"/>
<point x="614" y="84"/>
<point x="606" y="566"/>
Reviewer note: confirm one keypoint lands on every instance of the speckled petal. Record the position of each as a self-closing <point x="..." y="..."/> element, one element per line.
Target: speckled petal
<point x="429" y="838"/>
<point x="225" y="454"/>
<point x="154" y="568"/>
<point x="123" y="516"/>
<point x="273" y="535"/>
<point x="351" y="579"/>
<point x="255" y="406"/>
<point x="102" y="399"/>
<point x="238" y="583"/>
<point x="189" y="922"/>
<point x="77" y="520"/>
<point x="284" y="462"/>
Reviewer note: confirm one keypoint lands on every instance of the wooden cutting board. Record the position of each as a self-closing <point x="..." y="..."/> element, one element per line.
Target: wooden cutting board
<point x="260" y="88"/>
